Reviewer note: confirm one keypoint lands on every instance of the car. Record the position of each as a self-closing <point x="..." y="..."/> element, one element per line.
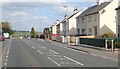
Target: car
<point x="1" y="36"/>
<point x="6" y="35"/>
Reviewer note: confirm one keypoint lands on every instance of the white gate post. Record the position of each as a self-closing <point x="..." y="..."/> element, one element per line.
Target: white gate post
<point x="112" y="46"/>
<point x="106" y="44"/>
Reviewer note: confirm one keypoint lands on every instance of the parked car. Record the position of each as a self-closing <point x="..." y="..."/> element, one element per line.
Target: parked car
<point x="6" y="35"/>
<point x="1" y="36"/>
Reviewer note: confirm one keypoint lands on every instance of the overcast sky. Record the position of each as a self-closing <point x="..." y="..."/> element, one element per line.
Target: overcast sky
<point x="38" y="13"/>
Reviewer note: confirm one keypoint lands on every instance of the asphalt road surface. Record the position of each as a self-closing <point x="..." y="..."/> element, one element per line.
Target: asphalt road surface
<point x="39" y="53"/>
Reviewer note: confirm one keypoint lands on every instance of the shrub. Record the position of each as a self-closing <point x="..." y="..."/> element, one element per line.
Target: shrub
<point x="108" y="35"/>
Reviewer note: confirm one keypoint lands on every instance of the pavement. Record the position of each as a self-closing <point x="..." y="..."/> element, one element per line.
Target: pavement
<point x="41" y="53"/>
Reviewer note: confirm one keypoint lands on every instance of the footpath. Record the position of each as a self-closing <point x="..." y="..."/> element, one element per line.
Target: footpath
<point x="95" y="51"/>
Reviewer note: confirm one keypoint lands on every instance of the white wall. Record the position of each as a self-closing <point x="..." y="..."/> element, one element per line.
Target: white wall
<point x="118" y="20"/>
<point x="54" y="29"/>
<point x="108" y="18"/>
<point x="73" y="24"/>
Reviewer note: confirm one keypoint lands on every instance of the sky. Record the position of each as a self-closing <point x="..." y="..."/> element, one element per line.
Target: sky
<point x="23" y="15"/>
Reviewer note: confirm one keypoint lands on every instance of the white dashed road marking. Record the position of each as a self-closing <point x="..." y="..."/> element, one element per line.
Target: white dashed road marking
<point x="33" y="47"/>
<point x="39" y="51"/>
<point x="5" y="63"/>
<point x="54" y="61"/>
<point x="6" y="56"/>
<point x="73" y="60"/>
<point x="54" y="52"/>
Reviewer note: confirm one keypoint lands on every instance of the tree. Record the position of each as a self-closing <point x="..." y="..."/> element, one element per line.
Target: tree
<point x="32" y="33"/>
<point x="47" y="33"/>
<point x="6" y="28"/>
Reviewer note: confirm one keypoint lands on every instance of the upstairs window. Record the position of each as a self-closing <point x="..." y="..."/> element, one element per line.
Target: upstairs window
<point x="83" y="20"/>
<point x="103" y="11"/>
<point x="89" y="18"/>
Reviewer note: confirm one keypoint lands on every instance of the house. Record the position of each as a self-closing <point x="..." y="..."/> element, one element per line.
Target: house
<point x="61" y="30"/>
<point x="72" y="24"/>
<point x="54" y="30"/>
<point x="118" y="21"/>
<point x="98" y="19"/>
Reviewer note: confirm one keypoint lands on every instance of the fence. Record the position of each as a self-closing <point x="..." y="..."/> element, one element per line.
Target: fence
<point x="93" y="41"/>
<point x="101" y="42"/>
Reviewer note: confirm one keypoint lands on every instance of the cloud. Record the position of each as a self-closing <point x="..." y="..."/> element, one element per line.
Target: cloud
<point x="19" y="14"/>
<point x="33" y="1"/>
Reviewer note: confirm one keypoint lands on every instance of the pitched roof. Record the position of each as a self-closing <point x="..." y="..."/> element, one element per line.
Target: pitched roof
<point x="117" y="8"/>
<point x="73" y="15"/>
<point x="94" y="9"/>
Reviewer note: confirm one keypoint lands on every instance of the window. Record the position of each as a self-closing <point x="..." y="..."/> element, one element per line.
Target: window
<point x="83" y="31"/>
<point x="78" y="31"/>
<point x="95" y="28"/>
<point x="83" y="20"/>
<point x="90" y="31"/>
<point x="103" y="11"/>
<point x="78" y="20"/>
<point x="89" y="18"/>
<point x="118" y="30"/>
<point x="95" y="17"/>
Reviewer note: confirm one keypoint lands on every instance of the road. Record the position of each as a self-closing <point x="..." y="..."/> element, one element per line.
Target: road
<point x="39" y="53"/>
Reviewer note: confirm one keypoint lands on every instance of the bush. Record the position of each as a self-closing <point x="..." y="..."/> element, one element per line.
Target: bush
<point x="108" y="35"/>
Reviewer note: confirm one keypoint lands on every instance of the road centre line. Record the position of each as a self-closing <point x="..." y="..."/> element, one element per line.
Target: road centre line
<point x="6" y="60"/>
<point x="5" y="63"/>
<point x="6" y="56"/>
<point x="39" y="51"/>
<point x="73" y="60"/>
<point x="53" y="61"/>
<point x="54" y="52"/>
<point x="33" y="47"/>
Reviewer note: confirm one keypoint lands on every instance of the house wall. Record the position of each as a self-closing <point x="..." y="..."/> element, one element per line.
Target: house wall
<point x="108" y="18"/>
<point x="118" y="22"/>
<point x="92" y="22"/>
<point x="81" y="24"/>
<point x="54" y="29"/>
<point x="72" y="29"/>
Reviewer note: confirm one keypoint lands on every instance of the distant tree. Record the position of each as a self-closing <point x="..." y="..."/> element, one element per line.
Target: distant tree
<point x="7" y="28"/>
<point x="47" y="33"/>
<point x="32" y="33"/>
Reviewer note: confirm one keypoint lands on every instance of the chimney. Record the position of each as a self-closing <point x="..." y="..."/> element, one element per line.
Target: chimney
<point x="65" y="16"/>
<point x="99" y="2"/>
<point x="75" y="10"/>
<point x="57" y="21"/>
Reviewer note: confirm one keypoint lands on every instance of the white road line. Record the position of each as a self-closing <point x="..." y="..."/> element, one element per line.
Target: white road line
<point x="54" y="52"/>
<point x="76" y="50"/>
<point x="43" y="47"/>
<point x="6" y="56"/>
<point x="54" y="61"/>
<point x="6" y="60"/>
<point x="104" y="57"/>
<point x="33" y="47"/>
<point x="40" y="52"/>
<point x="8" y="51"/>
<point x="73" y="60"/>
<point x="5" y="63"/>
<point x="94" y="54"/>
